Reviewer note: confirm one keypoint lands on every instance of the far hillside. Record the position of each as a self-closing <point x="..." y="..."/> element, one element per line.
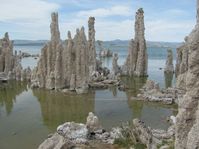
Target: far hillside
<point x="122" y="43"/>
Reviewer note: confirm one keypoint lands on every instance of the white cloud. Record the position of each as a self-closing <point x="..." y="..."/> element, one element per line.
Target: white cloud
<point x="27" y="19"/>
<point x="25" y="10"/>
<point x="168" y="30"/>
<point x="105" y="30"/>
<point x="30" y="19"/>
<point x="105" y="12"/>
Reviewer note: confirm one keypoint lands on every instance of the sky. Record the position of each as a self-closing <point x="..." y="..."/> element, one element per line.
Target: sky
<point x="165" y="20"/>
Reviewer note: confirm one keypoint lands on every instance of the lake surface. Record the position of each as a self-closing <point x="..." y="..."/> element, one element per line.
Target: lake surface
<point x="27" y="116"/>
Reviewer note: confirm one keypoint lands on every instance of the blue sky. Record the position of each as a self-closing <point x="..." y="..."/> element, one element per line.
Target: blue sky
<point x="165" y="20"/>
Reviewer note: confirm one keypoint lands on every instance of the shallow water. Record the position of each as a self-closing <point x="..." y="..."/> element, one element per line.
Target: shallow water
<point x="27" y="116"/>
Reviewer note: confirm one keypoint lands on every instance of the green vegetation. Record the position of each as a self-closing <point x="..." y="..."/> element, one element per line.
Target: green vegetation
<point x="169" y="143"/>
<point x="129" y="138"/>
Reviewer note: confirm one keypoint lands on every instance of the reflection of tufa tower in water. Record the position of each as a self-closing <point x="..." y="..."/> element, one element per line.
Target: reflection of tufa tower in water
<point x="10" y="92"/>
<point x="56" y="109"/>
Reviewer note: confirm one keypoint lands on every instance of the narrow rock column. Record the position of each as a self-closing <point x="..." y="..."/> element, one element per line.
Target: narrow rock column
<point x="137" y="60"/>
<point x="169" y="68"/>
<point x="197" y="12"/>
<point x="81" y="59"/>
<point x="6" y="54"/>
<point x="52" y="45"/>
<point x="142" y="59"/>
<point x="91" y="45"/>
<point x="68" y="60"/>
<point x="115" y="64"/>
<point x="59" y="81"/>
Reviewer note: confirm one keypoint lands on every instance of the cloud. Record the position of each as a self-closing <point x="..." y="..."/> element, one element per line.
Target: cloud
<point x="25" y="10"/>
<point x="168" y="30"/>
<point x="106" y="12"/>
<point x="30" y="19"/>
<point x="26" y="19"/>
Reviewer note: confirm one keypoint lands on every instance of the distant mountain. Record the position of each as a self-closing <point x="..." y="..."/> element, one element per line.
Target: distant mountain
<point x="117" y="42"/>
<point x="163" y="44"/>
<point x="29" y="42"/>
<point x="158" y="44"/>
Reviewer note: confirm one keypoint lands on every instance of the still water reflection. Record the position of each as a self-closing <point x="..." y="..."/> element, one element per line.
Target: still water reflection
<point x="27" y="116"/>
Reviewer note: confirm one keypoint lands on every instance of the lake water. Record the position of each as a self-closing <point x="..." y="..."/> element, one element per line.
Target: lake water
<point x="27" y="116"/>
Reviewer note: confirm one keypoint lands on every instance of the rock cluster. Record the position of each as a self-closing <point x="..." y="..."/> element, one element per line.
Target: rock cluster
<point x="10" y="64"/>
<point x="66" y="64"/>
<point x="79" y="135"/>
<point x="104" y="52"/>
<point x="152" y="138"/>
<point x="72" y="134"/>
<point x="169" y="68"/>
<point x="137" y="60"/>
<point x="26" y="54"/>
<point x="187" y="120"/>
<point x="152" y="92"/>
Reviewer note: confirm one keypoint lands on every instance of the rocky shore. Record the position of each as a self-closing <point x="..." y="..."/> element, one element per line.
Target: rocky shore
<point x="93" y="135"/>
<point x="151" y="92"/>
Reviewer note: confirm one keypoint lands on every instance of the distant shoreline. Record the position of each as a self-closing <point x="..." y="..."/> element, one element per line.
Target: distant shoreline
<point x="150" y="44"/>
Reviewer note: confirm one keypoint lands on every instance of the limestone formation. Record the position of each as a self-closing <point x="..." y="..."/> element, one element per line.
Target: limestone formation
<point x="77" y="135"/>
<point x="66" y="64"/>
<point x="27" y="74"/>
<point x="187" y="120"/>
<point x="152" y="138"/>
<point x="92" y="122"/>
<point x="137" y="60"/>
<point x="91" y="45"/>
<point x="182" y="65"/>
<point x="169" y="68"/>
<point x="104" y="52"/>
<point x="115" y="66"/>
<point x="152" y="92"/>
<point x="6" y="54"/>
<point x="10" y="64"/>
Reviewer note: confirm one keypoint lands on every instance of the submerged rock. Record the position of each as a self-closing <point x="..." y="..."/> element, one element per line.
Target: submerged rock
<point x="152" y="92"/>
<point x="137" y="60"/>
